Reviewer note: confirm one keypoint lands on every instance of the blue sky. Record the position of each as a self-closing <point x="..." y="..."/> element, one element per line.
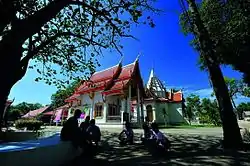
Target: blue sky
<point x="164" y="47"/>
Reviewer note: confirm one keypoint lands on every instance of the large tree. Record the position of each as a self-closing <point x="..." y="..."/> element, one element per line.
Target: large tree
<point x="206" y="47"/>
<point x="228" y="24"/>
<point x="61" y="36"/>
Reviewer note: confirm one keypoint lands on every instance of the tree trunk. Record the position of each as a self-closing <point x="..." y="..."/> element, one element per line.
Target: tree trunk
<point x="10" y="71"/>
<point x="4" y="93"/>
<point x="231" y="131"/>
<point x="235" y="107"/>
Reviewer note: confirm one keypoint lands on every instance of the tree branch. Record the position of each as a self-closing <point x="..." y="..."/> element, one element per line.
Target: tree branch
<point x="104" y="14"/>
<point x="33" y="23"/>
<point x="34" y="51"/>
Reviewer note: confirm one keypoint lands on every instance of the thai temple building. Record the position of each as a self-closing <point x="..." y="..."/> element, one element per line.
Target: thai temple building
<point x="110" y="93"/>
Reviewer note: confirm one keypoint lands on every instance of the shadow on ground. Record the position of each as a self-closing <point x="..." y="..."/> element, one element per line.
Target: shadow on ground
<point x="186" y="150"/>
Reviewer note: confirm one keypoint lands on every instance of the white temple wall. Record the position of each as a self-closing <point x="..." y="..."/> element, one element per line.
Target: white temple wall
<point x="159" y="113"/>
<point x="175" y="113"/>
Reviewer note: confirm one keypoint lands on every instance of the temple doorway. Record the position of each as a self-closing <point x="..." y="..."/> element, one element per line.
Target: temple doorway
<point x="149" y="112"/>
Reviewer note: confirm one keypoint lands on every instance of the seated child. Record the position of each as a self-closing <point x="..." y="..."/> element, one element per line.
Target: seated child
<point x="127" y="134"/>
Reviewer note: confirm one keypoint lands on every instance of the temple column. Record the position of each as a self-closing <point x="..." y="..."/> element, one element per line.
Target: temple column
<point x="129" y="102"/>
<point x="105" y="109"/>
<point x="123" y="108"/>
<point x="142" y="111"/>
<point x="138" y="106"/>
<point x="154" y="115"/>
<point x="92" y="97"/>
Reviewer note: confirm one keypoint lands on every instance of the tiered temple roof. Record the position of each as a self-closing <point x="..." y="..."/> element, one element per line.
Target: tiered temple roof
<point x="114" y="80"/>
<point x="155" y="90"/>
<point x="110" y="81"/>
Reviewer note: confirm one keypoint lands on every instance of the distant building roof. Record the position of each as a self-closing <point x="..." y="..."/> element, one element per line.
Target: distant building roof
<point x="36" y="112"/>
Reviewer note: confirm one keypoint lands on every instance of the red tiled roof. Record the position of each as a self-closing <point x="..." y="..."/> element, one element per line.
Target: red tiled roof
<point x="89" y="86"/>
<point x="50" y="113"/>
<point x="35" y="112"/>
<point x="126" y="72"/>
<point x="117" y="88"/>
<point x="98" y="80"/>
<point x="122" y="80"/>
<point x="64" y="107"/>
<point x="177" y="97"/>
<point x="104" y="74"/>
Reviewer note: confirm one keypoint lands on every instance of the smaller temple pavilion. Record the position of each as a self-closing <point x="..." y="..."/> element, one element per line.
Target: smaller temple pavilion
<point x="110" y="93"/>
<point x="161" y="105"/>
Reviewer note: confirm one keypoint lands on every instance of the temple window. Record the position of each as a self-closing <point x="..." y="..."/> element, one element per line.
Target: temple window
<point x="113" y="110"/>
<point x="98" y="109"/>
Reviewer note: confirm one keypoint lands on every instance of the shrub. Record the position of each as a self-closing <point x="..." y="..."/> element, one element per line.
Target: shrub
<point x="30" y="124"/>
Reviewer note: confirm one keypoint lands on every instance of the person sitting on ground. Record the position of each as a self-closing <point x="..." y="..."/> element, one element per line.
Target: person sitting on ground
<point x="127" y="134"/>
<point x="70" y="130"/>
<point x="161" y="140"/>
<point x="94" y="132"/>
<point x="146" y="128"/>
<point x="84" y="125"/>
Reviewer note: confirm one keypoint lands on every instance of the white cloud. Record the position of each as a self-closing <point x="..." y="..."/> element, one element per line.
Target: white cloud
<point x="206" y="93"/>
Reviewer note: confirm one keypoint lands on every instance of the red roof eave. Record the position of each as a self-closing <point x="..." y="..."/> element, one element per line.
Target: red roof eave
<point x="112" y="92"/>
<point x="91" y="90"/>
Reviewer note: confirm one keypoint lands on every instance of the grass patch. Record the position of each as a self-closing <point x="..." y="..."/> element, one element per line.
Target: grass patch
<point x="185" y="126"/>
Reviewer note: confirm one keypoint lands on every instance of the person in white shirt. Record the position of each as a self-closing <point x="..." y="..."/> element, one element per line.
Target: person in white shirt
<point x="127" y="134"/>
<point x="161" y="139"/>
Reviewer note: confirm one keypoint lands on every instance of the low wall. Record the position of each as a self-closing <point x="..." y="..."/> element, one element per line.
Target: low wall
<point x="18" y="136"/>
<point x="106" y="126"/>
<point x="50" y="152"/>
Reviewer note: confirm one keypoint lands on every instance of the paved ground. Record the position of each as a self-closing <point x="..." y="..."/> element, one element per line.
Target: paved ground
<point x="189" y="147"/>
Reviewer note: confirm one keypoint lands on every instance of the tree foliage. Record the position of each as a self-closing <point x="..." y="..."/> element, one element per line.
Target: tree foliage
<point x="58" y="98"/>
<point x="206" y="110"/>
<point x="65" y="37"/>
<point x="210" y="112"/>
<point x="16" y="111"/>
<point x="228" y="25"/>
<point x="192" y="107"/>
<point x="241" y="108"/>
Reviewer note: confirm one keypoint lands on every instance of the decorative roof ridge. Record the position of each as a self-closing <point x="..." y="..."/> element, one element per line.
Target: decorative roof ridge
<point x="105" y="69"/>
<point x="133" y="63"/>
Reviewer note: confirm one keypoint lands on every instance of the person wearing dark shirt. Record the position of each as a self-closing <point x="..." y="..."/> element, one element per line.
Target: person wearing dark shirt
<point x="94" y="132"/>
<point x="70" y="130"/>
<point x="84" y="125"/>
<point x="146" y="128"/>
